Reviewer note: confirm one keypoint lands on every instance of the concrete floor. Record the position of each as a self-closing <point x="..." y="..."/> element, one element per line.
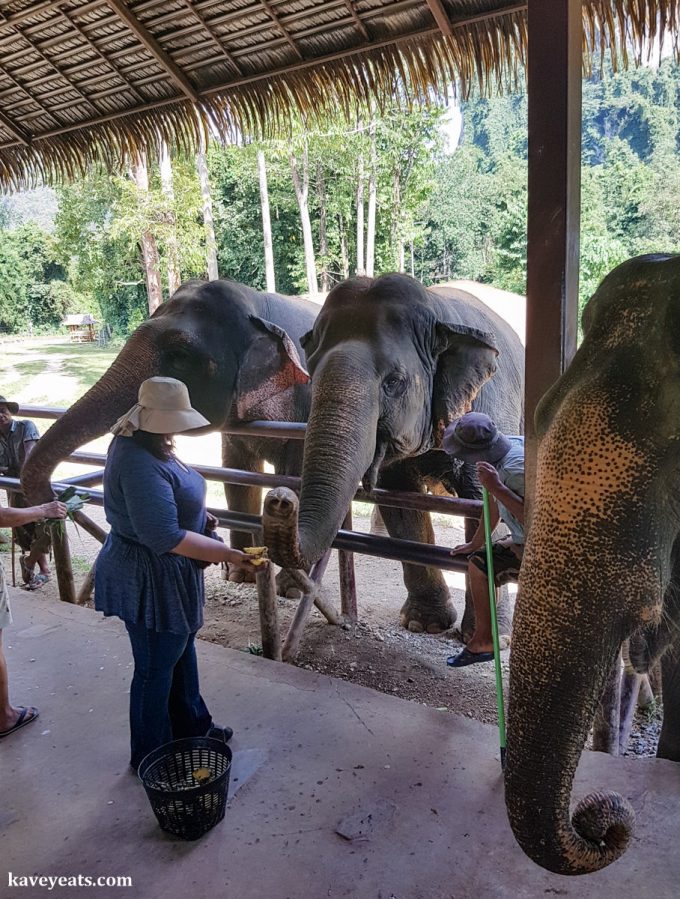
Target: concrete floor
<point x="310" y="752"/>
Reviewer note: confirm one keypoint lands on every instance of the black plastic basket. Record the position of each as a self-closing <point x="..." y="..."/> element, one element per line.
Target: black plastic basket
<point x="185" y="806"/>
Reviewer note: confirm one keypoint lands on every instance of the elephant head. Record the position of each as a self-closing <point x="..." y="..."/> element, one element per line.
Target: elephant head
<point x="236" y="363"/>
<point x="388" y="372"/>
<point x="605" y="519"/>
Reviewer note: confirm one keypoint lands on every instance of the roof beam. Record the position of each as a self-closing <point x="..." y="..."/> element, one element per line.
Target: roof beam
<point x="16" y="130"/>
<point x="440" y="17"/>
<point x="152" y="45"/>
<point x="357" y="21"/>
<point x="273" y="15"/>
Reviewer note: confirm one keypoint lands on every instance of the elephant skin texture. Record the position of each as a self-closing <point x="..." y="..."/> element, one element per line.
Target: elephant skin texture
<point x="392" y="364"/>
<point x="237" y="350"/>
<point x="601" y="564"/>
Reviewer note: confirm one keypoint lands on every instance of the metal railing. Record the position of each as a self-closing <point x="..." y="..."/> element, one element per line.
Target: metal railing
<point x="347" y="541"/>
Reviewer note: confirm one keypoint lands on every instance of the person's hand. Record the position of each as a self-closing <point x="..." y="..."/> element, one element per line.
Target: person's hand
<point x="212" y="523"/>
<point x="488" y="476"/>
<point x="463" y="549"/>
<point x="243" y="562"/>
<point x="54" y="509"/>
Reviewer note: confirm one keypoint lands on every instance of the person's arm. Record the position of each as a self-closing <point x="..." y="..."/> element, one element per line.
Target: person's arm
<point x="29" y="446"/>
<point x="205" y="549"/>
<point x="478" y="538"/>
<point x="31" y="437"/>
<point x="13" y="518"/>
<point x="488" y="477"/>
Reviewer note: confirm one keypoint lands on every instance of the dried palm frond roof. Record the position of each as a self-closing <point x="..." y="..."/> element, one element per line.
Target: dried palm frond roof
<point x="98" y="81"/>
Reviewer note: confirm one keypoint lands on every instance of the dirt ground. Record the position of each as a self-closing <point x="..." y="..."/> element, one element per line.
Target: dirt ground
<point x="376" y="652"/>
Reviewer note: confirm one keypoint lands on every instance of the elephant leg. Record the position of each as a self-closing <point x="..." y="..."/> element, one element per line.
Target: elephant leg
<point x="428" y="605"/>
<point x="669" y="739"/>
<point x="630" y="690"/>
<point x="607" y="718"/>
<point x="467" y="625"/>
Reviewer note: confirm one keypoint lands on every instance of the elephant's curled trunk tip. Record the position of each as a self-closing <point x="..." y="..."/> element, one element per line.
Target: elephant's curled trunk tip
<point x="280" y="528"/>
<point x="608" y="821"/>
<point x="602" y="826"/>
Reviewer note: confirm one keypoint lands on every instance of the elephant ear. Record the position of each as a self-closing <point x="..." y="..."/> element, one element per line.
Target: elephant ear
<point x="466" y="359"/>
<point x="268" y="374"/>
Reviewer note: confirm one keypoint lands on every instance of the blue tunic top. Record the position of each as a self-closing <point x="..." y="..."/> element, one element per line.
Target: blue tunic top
<point x="150" y="504"/>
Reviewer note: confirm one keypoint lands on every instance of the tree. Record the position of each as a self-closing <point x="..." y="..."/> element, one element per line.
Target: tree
<point x="300" y="174"/>
<point x="150" y="256"/>
<point x="266" y="223"/>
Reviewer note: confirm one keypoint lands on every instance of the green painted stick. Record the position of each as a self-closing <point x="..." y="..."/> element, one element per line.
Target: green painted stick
<point x="494" y="624"/>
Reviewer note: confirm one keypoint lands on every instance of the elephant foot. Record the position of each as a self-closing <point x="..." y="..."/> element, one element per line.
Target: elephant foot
<point x="429" y="616"/>
<point x="237" y="576"/>
<point x="286" y="586"/>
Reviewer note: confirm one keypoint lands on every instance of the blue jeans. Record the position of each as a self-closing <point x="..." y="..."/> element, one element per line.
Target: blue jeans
<point x="165" y="699"/>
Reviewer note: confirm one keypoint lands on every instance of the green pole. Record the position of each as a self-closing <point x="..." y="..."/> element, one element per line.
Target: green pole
<point x="494" y="624"/>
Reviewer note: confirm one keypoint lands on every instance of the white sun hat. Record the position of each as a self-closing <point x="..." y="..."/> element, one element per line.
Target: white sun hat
<point x="163" y="407"/>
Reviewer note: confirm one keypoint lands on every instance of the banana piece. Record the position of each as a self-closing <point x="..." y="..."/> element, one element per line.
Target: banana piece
<point x="258" y="554"/>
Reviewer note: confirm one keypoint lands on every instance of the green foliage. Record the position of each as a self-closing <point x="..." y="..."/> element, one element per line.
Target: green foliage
<point x="31" y="285"/>
<point x="441" y="215"/>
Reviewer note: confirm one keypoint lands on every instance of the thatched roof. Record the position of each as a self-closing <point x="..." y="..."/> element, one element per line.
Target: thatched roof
<point x="83" y="81"/>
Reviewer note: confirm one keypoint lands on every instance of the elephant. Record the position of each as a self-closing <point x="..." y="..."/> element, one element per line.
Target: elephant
<point x="392" y="363"/>
<point x="601" y="564"/>
<point x="238" y="352"/>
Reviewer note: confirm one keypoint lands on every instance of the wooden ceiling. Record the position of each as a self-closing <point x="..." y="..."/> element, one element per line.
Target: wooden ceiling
<point x="85" y="81"/>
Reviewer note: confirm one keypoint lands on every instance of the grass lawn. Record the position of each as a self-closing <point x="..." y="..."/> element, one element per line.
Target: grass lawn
<point x="51" y="371"/>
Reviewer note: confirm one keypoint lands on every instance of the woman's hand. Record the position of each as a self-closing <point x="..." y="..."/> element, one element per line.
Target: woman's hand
<point x="243" y="562"/>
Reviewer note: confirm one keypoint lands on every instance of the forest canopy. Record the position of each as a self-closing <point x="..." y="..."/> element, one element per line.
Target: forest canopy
<point x="380" y="193"/>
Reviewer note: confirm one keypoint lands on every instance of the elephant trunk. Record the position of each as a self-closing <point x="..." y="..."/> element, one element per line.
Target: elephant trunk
<point x="339" y="447"/>
<point x="93" y="414"/>
<point x="553" y="697"/>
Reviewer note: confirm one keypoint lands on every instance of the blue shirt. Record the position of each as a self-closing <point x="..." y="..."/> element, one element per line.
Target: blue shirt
<point x="150" y="504"/>
<point x="12" y="445"/>
<point x="511" y="472"/>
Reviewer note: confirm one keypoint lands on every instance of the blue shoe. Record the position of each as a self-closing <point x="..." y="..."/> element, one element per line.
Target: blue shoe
<point x="217" y="732"/>
<point x="468" y="658"/>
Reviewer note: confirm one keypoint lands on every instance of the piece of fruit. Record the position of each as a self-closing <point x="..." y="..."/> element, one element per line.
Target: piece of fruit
<point x="202" y="775"/>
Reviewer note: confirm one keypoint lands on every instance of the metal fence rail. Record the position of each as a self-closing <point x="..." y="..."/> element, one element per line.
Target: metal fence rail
<point x="347" y="541"/>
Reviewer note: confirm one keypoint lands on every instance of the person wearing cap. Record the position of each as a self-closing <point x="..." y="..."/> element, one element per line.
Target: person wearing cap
<point x="18" y="437"/>
<point x="13" y="718"/>
<point x="149" y="572"/>
<point x="474" y="438"/>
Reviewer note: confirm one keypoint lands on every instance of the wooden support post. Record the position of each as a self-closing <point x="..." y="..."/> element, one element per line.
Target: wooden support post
<point x="90" y="526"/>
<point x="554" y="89"/>
<point x="269" y="615"/>
<point x="86" y="588"/>
<point x="348" y="583"/>
<point x="62" y="562"/>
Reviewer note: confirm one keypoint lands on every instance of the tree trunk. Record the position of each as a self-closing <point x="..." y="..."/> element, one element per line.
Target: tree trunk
<point x="372" y="201"/>
<point x="397" y="236"/>
<point x="344" y="256"/>
<point x="150" y="258"/>
<point x="361" y="270"/>
<point x="323" y="235"/>
<point x="301" y="184"/>
<point x="174" y="273"/>
<point x="266" y="224"/>
<point x="413" y="262"/>
<point x="208" y="222"/>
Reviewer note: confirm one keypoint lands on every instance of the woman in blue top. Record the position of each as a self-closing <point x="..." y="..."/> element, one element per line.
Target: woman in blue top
<point x="149" y="571"/>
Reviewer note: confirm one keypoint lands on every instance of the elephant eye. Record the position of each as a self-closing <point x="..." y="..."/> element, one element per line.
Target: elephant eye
<point x="394" y="385"/>
<point x="180" y="359"/>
